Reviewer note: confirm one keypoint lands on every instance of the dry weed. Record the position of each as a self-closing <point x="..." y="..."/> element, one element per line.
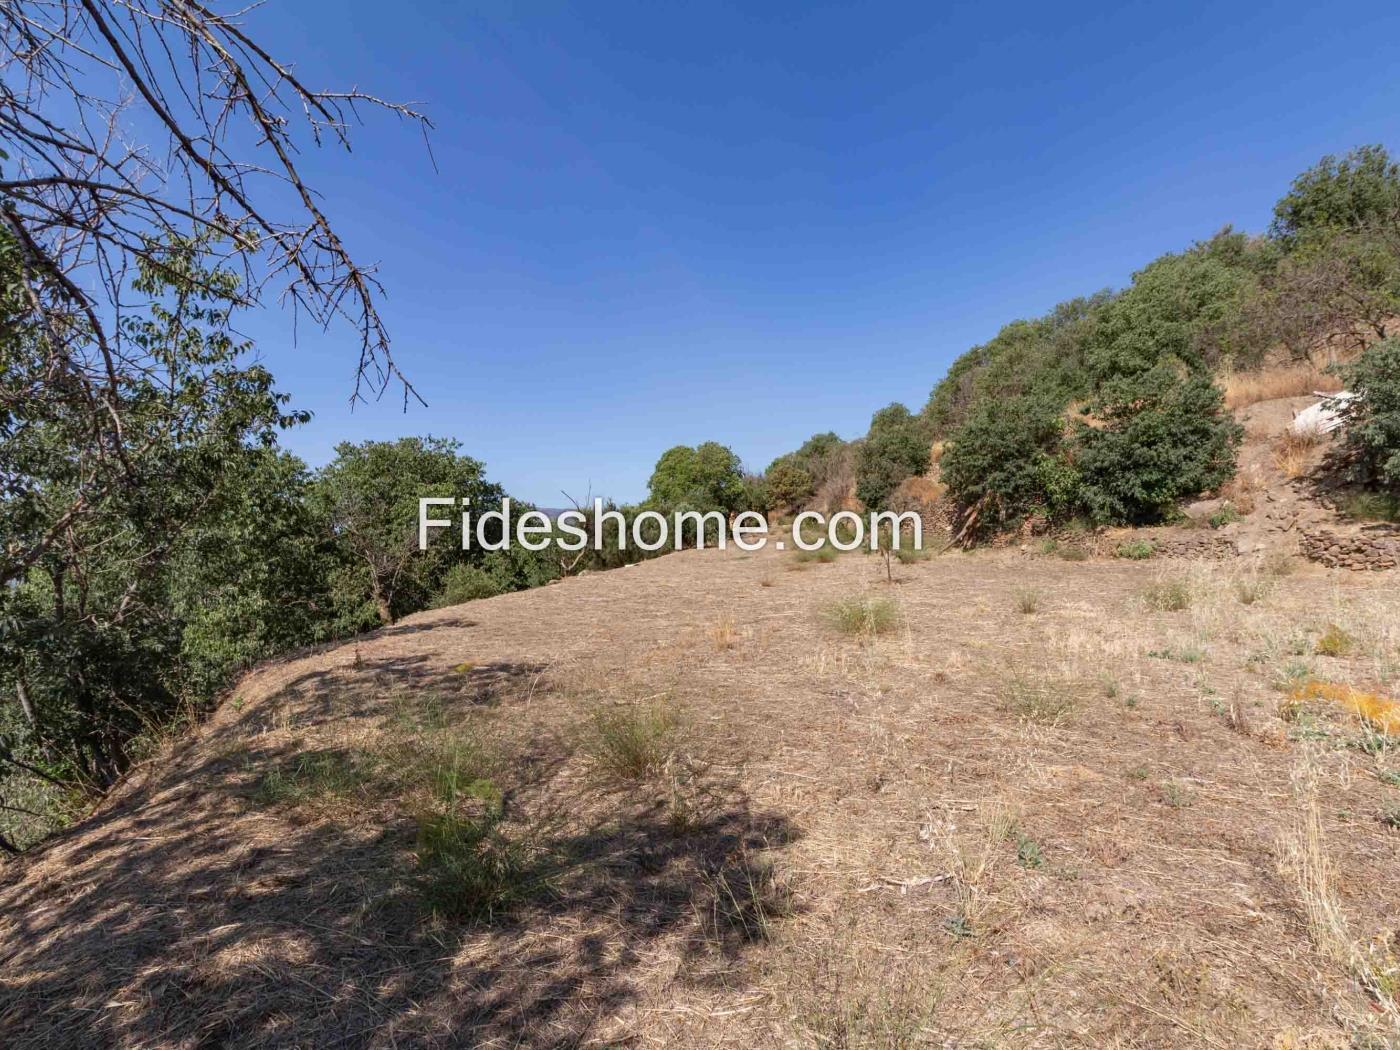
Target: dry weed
<point x="1293" y="451"/>
<point x="1305" y="863"/>
<point x="1248" y="388"/>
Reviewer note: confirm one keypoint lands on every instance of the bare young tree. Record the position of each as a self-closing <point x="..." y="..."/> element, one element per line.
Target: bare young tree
<point x="127" y="126"/>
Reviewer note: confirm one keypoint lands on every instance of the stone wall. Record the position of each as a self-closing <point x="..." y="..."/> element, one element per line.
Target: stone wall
<point x="1368" y="552"/>
<point x="1201" y="545"/>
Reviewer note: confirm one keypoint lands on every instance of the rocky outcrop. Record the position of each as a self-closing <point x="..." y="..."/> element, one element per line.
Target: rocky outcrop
<point x="1365" y="552"/>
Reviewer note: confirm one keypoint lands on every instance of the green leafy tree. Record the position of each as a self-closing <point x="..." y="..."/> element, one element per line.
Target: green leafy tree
<point x="369" y="493"/>
<point x="704" y="478"/>
<point x="1187" y="307"/>
<point x="1007" y="461"/>
<point x="1043" y="358"/>
<point x="897" y="447"/>
<point x="1358" y="191"/>
<point x="790" y="484"/>
<point x="1164" y="436"/>
<point x="117" y="616"/>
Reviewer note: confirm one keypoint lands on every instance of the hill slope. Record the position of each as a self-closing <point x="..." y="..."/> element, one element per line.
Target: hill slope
<point x="1061" y="827"/>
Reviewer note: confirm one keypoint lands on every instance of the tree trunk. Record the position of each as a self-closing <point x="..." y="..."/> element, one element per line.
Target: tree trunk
<point x="26" y="705"/>
<point x="381" y="600"/>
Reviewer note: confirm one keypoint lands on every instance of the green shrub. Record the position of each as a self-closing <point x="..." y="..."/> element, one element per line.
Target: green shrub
<point x="465" y="583"/>
<point x="1371" y="506"/>
<point x="1137" y="550"/>
<point x="1006" y="462"/>
<point x="1166" y="437"/>
<point x="1372" y="434"/>
<point x="1226" y="515"/>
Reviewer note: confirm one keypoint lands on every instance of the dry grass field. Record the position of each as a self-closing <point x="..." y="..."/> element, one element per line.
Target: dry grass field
<point x="723" y="799"/>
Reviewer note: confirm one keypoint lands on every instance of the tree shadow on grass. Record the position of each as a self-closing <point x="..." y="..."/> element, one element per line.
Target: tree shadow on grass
<point x="191" y="915"/>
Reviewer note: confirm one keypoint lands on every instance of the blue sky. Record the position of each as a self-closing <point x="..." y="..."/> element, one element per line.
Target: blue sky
<point x="663" y="223"/>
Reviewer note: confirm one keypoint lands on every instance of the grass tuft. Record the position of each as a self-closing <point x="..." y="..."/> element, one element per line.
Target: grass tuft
<point x="633" y="743"/>
<point x="864" y="616"/>
<point x="470" y="869"/>
<point x="317" y="776"/>
<point x="1046" y="701"/>
<point x="1335" y="642"/>
<point x="1168" y="596"/>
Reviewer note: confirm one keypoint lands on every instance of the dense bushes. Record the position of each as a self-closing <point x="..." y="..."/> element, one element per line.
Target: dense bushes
<point x="1008" y="460"/>
<point x="1162" y="437"/>
<point x="796" y="479"/>
<point x="1373" y="431"/>
<point x="897" y="447"/>
<point x="1105" y="407"/>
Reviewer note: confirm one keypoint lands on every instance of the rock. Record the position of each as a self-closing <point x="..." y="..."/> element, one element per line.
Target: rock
<point x="1203" y="508"/>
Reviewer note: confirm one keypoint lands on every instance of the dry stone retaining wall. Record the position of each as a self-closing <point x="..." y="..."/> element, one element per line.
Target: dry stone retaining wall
<point x="1361" y="553"/>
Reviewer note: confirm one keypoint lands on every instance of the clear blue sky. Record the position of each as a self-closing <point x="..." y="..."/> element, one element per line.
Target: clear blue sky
<point x="662" y="223"/>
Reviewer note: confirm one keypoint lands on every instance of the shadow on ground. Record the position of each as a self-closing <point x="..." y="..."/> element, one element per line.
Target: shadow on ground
<point x="191" y="916"/>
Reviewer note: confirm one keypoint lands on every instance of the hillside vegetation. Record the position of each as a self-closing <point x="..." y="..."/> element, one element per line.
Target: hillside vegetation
<point x="1113" y="407"/>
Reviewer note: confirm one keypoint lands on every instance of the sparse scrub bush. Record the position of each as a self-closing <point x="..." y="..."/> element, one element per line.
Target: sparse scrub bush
<point x="744" y="896"/>
<point x="910" y="556"/>
<point x="825" y="554"/>
<point x="1226" y="515"/>
<point x="864" y="616"/>
<point x="1252" y="588"/>
<point x="1036" y="698"/>
<point x="470" y="869"/>
<point x="724" y="634"/>
<point x="1028" y="601"/>
<point x="1178" y="794"/>
<point x="1137" y="550"/>
<point x="1168" y="595"/>
<point x="1335" y="642"/>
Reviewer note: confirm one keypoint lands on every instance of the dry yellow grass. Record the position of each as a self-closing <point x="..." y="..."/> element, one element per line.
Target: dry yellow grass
<point x="1248" y="388"/>
<point x="1294" y="452"/>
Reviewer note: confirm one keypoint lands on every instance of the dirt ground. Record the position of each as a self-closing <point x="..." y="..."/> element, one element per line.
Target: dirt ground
<point x="1047" y="809"/>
